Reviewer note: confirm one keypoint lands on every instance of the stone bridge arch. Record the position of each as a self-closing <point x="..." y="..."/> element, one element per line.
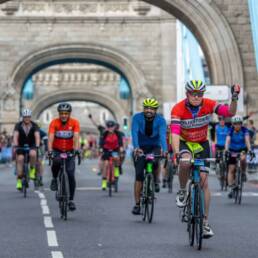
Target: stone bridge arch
<point x="79" y="95"/>
<point x="214" y="34"/>
<point x="88" y="52"/>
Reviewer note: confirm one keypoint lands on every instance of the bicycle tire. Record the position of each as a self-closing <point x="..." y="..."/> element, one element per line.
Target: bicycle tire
<point x="240" y="184"/>
<point x="116" y="184"/>
<point x="150" y="197"/>
<point x="25" y="179"/>
<point x="109" y="176"/>
<point x="236" y="190"/>
<point x="190" y="220"/>
<point x="143" y="201"/>
<point x="222" y="176"/>
<point x="198" y="216"/>
<point x="170" y="178"/>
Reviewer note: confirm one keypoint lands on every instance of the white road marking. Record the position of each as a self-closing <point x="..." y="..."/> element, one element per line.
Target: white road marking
<point x="45" y="209"/>
<point x="56" y="254"/>
<point x="88" y="188"/>
<point x="246" y="194"/>
<point x="51" y="238"/>
<point x="48" y="222"/>
<point x="41" y="195"/>
<point x="43" y="202"/>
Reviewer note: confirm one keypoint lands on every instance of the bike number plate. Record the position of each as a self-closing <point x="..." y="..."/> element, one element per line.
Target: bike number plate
<point x="115" y="154"/>
<point x="150" y="157"/>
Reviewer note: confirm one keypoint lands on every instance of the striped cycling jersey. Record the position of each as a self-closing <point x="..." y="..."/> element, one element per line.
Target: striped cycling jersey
<point x="64" y="133"/>
<point x="193" y="123"/>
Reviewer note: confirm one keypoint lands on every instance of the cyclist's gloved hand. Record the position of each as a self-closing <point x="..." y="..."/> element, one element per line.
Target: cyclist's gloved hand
<point x="50" y="154"/>
<point x="176" y="158"/>
<point x="251" y="154"/>
<point x="227" y="155"/>
<point x="137" y="152"/>
<point x="77" y="152"/>
<point x="235" y="90"/>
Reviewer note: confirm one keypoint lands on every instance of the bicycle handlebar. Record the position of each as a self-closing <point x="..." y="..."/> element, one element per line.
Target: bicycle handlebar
<point x="68" y="153"/>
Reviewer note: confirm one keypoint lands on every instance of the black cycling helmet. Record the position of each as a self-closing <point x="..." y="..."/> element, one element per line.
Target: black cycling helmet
<point x="110" y="123"/>
<point x="64" y="107"/>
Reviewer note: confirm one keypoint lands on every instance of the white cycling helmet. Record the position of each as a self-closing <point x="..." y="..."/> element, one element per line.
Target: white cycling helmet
<point x="236" y="119"/>
<point x="26" y="112"/>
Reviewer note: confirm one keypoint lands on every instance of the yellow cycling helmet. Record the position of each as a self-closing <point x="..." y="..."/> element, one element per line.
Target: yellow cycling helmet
<point x="195" y="85"/>
<point x="150" y="102"/>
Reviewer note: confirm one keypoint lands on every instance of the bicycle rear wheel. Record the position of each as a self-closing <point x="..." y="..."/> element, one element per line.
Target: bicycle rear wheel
<point x="222" y="176"/>
<point x="198" y="216"/>
<point x="150" y="197"/>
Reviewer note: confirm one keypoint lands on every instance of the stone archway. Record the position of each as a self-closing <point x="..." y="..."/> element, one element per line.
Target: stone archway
<point x="90" y="52"/>
<point x="77" y="95"/>
<point x="215" y="35"/>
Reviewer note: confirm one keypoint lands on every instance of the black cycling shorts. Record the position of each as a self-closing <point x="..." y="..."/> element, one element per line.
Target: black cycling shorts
<point x="233" y="160"/>
<point x="205" y="154"/>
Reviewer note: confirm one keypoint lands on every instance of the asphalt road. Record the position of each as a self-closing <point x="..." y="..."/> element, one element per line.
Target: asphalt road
<point x="103" y="227"/>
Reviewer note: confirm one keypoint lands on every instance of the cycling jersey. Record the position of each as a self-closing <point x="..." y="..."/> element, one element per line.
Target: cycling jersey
<point x="193" y="123"/>
<point x="221" y="134"/>
<point x="63" y="133"/>
<point x="237" y="139"/>
<point x="26" y="137"/>
<point x="111" y="141"/>
<point x="158" y="136"/>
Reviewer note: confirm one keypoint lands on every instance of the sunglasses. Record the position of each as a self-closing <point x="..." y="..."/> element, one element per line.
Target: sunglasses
<point x="196" y="94"/>
<point x="64" y="113"/>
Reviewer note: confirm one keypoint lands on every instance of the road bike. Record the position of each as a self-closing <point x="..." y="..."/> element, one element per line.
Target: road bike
<point x="63" y="190"/>
<point x="148" y="192"/>
<point x="221" y="170"/>
<point x="193" y="211"/>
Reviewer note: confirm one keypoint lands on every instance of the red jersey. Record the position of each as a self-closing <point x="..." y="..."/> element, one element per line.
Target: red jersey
<point x="64" y="133"/>
<point x="111" y="142"/>
<point x="193" y="129"/>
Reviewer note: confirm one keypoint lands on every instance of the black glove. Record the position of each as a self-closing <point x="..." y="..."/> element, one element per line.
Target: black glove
<point x="227" y="155"/>
<point x="77" y="152"/>
<point x="89" y="116"/>
<point x="235" y="90"/>
<point x="251" y="154"/>
<point x="50" y="154"/>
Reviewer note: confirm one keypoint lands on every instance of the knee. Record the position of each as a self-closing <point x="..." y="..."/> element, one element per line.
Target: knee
<point x="20" y="158"/>
<point x="33" y="154"/>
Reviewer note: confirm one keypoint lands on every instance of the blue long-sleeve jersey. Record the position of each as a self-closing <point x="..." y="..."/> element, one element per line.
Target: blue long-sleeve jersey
<point x="158" y="137"/>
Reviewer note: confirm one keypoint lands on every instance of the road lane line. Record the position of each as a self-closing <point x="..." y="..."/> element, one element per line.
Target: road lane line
<point x="45" y="209"/>
<point x="51" y="238"/>
<point x="48" y="222"/>
<point x="57" y="254"/>
<point x="43" y="202"/>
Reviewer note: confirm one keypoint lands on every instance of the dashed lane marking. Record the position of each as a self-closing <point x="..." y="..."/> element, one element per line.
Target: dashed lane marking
<point x="51" y="238"/>
<point x="57" y="254"/>
<point x="48" y="222"/>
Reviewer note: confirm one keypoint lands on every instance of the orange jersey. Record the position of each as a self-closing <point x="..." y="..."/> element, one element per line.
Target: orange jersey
<point x="63" y="140"/>
<point x="193" y="129"/>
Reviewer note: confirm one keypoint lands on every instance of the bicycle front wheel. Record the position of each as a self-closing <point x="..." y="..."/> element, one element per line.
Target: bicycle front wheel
<point x="190" y="220"/>
<point x="170" y="177"/>
<point x="198" y="216"/>
<point x="150" y="197"/>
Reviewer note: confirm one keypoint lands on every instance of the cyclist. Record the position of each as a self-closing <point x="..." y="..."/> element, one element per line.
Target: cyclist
<point x="122" y="158"/>
<point x="63" y="136"/>
<point x="148" y="136"/>
<point x="42" y="151"/>
<point x="26" y="132"/>
<point x="170" y="152"/>
<point x="190" y="119"/>
<point x="238" y="141"/>
<point x="220" y="138"/>
<point x="111" y="141"/>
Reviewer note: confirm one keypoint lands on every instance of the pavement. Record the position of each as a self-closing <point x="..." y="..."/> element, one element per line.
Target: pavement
<point x="103" y="227"/>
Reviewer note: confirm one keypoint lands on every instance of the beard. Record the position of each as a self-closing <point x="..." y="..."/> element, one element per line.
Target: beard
<point x="149" y="115"/>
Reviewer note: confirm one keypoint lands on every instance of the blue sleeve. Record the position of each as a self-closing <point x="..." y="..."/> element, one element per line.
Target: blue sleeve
<point x="246" y="131"/>
<point x="163" y="134"/>
<point x="230" y="131"/>
<point x="135" y="129"/>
